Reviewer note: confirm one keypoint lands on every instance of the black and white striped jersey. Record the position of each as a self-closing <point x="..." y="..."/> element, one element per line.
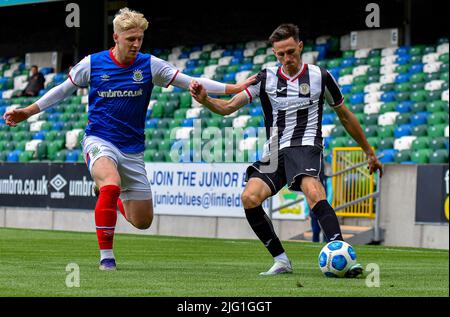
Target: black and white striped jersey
<point x="293" y="106"/>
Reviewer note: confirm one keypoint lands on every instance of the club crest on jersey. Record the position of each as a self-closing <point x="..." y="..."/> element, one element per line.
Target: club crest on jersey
<point x="137" y="75"/>
<point x="304" y="89"/>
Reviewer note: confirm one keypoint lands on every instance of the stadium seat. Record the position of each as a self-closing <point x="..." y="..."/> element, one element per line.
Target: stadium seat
<point x="421" y="156"/>
<point x="439" y="157"/>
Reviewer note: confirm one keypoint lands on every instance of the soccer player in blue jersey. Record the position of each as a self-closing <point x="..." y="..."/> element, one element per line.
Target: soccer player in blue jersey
<point x="121" y="81"/>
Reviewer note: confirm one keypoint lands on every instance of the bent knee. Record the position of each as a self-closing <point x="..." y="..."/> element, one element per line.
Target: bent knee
<point x="143" y="224"/>
<point x="250" y="200"/>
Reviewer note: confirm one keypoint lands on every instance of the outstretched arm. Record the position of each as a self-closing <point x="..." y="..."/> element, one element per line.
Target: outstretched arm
<point x="351" y="124"/>
<point x="53" y="96"/>
<point x="219" y="106"/>
<point x="211" y="86"/>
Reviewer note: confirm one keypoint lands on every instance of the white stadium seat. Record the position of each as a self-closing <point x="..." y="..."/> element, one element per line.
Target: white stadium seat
<point x="373" y="87"/>
<point x="241" y="121"/>
<point x="434" y="85"/>
<point x="85" y="99"/>
<point x="372" y="108"/>
<point x="310" y="57"/>
<point x="248" y="144"/>
<point x="432" y="67"/>
<point x="32" y="145"/>
<point x="430" y="58"/>
<point x="36" y="125"/>
<point x="269" y="51"/>
<point x="322" y="39"/>
<point x="72" y="138"/>
<point x="389" y="51"/>
<point x="444" y="95"/>
<point x="8" y="73"/>
<point x="183" y="133"/>
<point x="388" y="69"/>
<point x="217" y="53"/>
<point x="442" y="49"/>
<point x="360" y="70"/>
<point x="48" y="79"/>
<point x="20" y="82"/>
<point x="193" y="113"/>
<point x="181" y="63"/>
<point x="388" y="78"/>
<point x="446" y="132"/>
<point x="269" y="64"/>
<point x="7" y="94"/>
<point x="210" y="70"/>
<point x="259" y="59"/>
<point x="195" y="55"/>
<point x="241" y="76"/>
<point x="225" y="61"/>
<point x="207" y="47"/>
<point x="173" y="57"/>
<point x="404" y="143"/>
<point x="345" y="80"/>
<point x="177" y="49"/>
<point x="387" y="118"/>
<point x="362" y="53"/>
<point x="388" y="60"/>
<point x="326" y="130"/>
<point x="373" y="97"/>
<point x="249" y="52"/>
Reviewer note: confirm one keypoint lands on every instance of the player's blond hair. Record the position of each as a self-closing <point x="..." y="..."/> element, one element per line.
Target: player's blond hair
<point x="127" y="19"/>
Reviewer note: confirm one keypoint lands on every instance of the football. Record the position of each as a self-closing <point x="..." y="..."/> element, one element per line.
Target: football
<point x="336" y="258"/>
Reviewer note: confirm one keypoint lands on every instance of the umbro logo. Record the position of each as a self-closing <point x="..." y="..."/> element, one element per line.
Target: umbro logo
<point x="104" y="77"/>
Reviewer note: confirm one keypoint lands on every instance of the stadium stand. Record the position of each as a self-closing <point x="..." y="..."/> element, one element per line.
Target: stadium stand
<point x="400" y="96"/>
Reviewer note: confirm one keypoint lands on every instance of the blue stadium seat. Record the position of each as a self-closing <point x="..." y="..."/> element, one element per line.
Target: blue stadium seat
<point x="184" y="55"/>
<point x="257" y="111"/>
<point x="403" y="59"/>
<point x="416" y="68"/>
<point x="189" y="122"/>
<point x="54" y="116"/>
<point x="13" y="156"/>
<point x="388" y="155"/>
<point x="39" y="135"/>
<point x="419" y="118"/>
<point x="403" y="50"/>
<point x="403" y="130"/>
<point x="348" y="62"/>
<point x="328" y="118"/>
<point x="404" y="107"/>
<point x="357" y="98"/>
<point x="239" y="54"/>
<point x="345" y="89"/>
<point x="72" y="156"/>
<point x="152" y="123"/>
<point x="235" y="61"/>
<point x="227" y="53"/>
<point x="250" y="132"/>
<point x="335" y="72"/>
<point x="192" y="63"/>
<point x="387" y="96"/>
<point x="230" y="77"/>
<point x="245" y="67"/>
<point x="402" y="78"/>
<point x="58" y="125"/>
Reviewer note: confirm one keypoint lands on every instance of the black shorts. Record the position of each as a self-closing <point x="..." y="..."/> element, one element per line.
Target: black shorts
<point x="293" y="163"/>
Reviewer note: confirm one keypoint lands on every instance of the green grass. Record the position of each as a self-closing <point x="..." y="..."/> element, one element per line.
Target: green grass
<point x="33" y="263"/>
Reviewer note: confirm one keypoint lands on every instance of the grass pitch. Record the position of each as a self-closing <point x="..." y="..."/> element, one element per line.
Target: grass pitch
<point x="33" y="263"/>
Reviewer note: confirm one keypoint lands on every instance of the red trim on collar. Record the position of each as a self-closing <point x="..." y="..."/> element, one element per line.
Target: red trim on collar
<point x="302" y="71"/>
<point x="117" y="62"/>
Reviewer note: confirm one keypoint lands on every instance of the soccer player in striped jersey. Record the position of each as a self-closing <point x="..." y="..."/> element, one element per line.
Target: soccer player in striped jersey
<point x="292" y="97"/>
<point x="120" y="81"/>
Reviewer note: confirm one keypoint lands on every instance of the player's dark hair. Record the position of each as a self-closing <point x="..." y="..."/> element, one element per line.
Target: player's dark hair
<point x="34" y="66"/>
<point x="283" y="32"/>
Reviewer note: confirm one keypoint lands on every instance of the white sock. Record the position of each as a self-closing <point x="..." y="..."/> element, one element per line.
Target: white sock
<point x="106" y="254"/>
<point x="282" y="257"/>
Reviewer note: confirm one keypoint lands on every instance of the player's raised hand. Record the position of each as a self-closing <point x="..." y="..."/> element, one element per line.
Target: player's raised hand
<point x="374" y="164"/>
<point x="13" y="117"/>
<point x="197" y="91"/>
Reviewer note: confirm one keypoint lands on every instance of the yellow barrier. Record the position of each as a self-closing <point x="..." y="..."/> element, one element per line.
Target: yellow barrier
<point x="352" y="184"/>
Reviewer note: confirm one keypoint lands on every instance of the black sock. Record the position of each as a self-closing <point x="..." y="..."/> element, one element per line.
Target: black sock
<point x="328" y="221"/>
<point x="263" y="228"/>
